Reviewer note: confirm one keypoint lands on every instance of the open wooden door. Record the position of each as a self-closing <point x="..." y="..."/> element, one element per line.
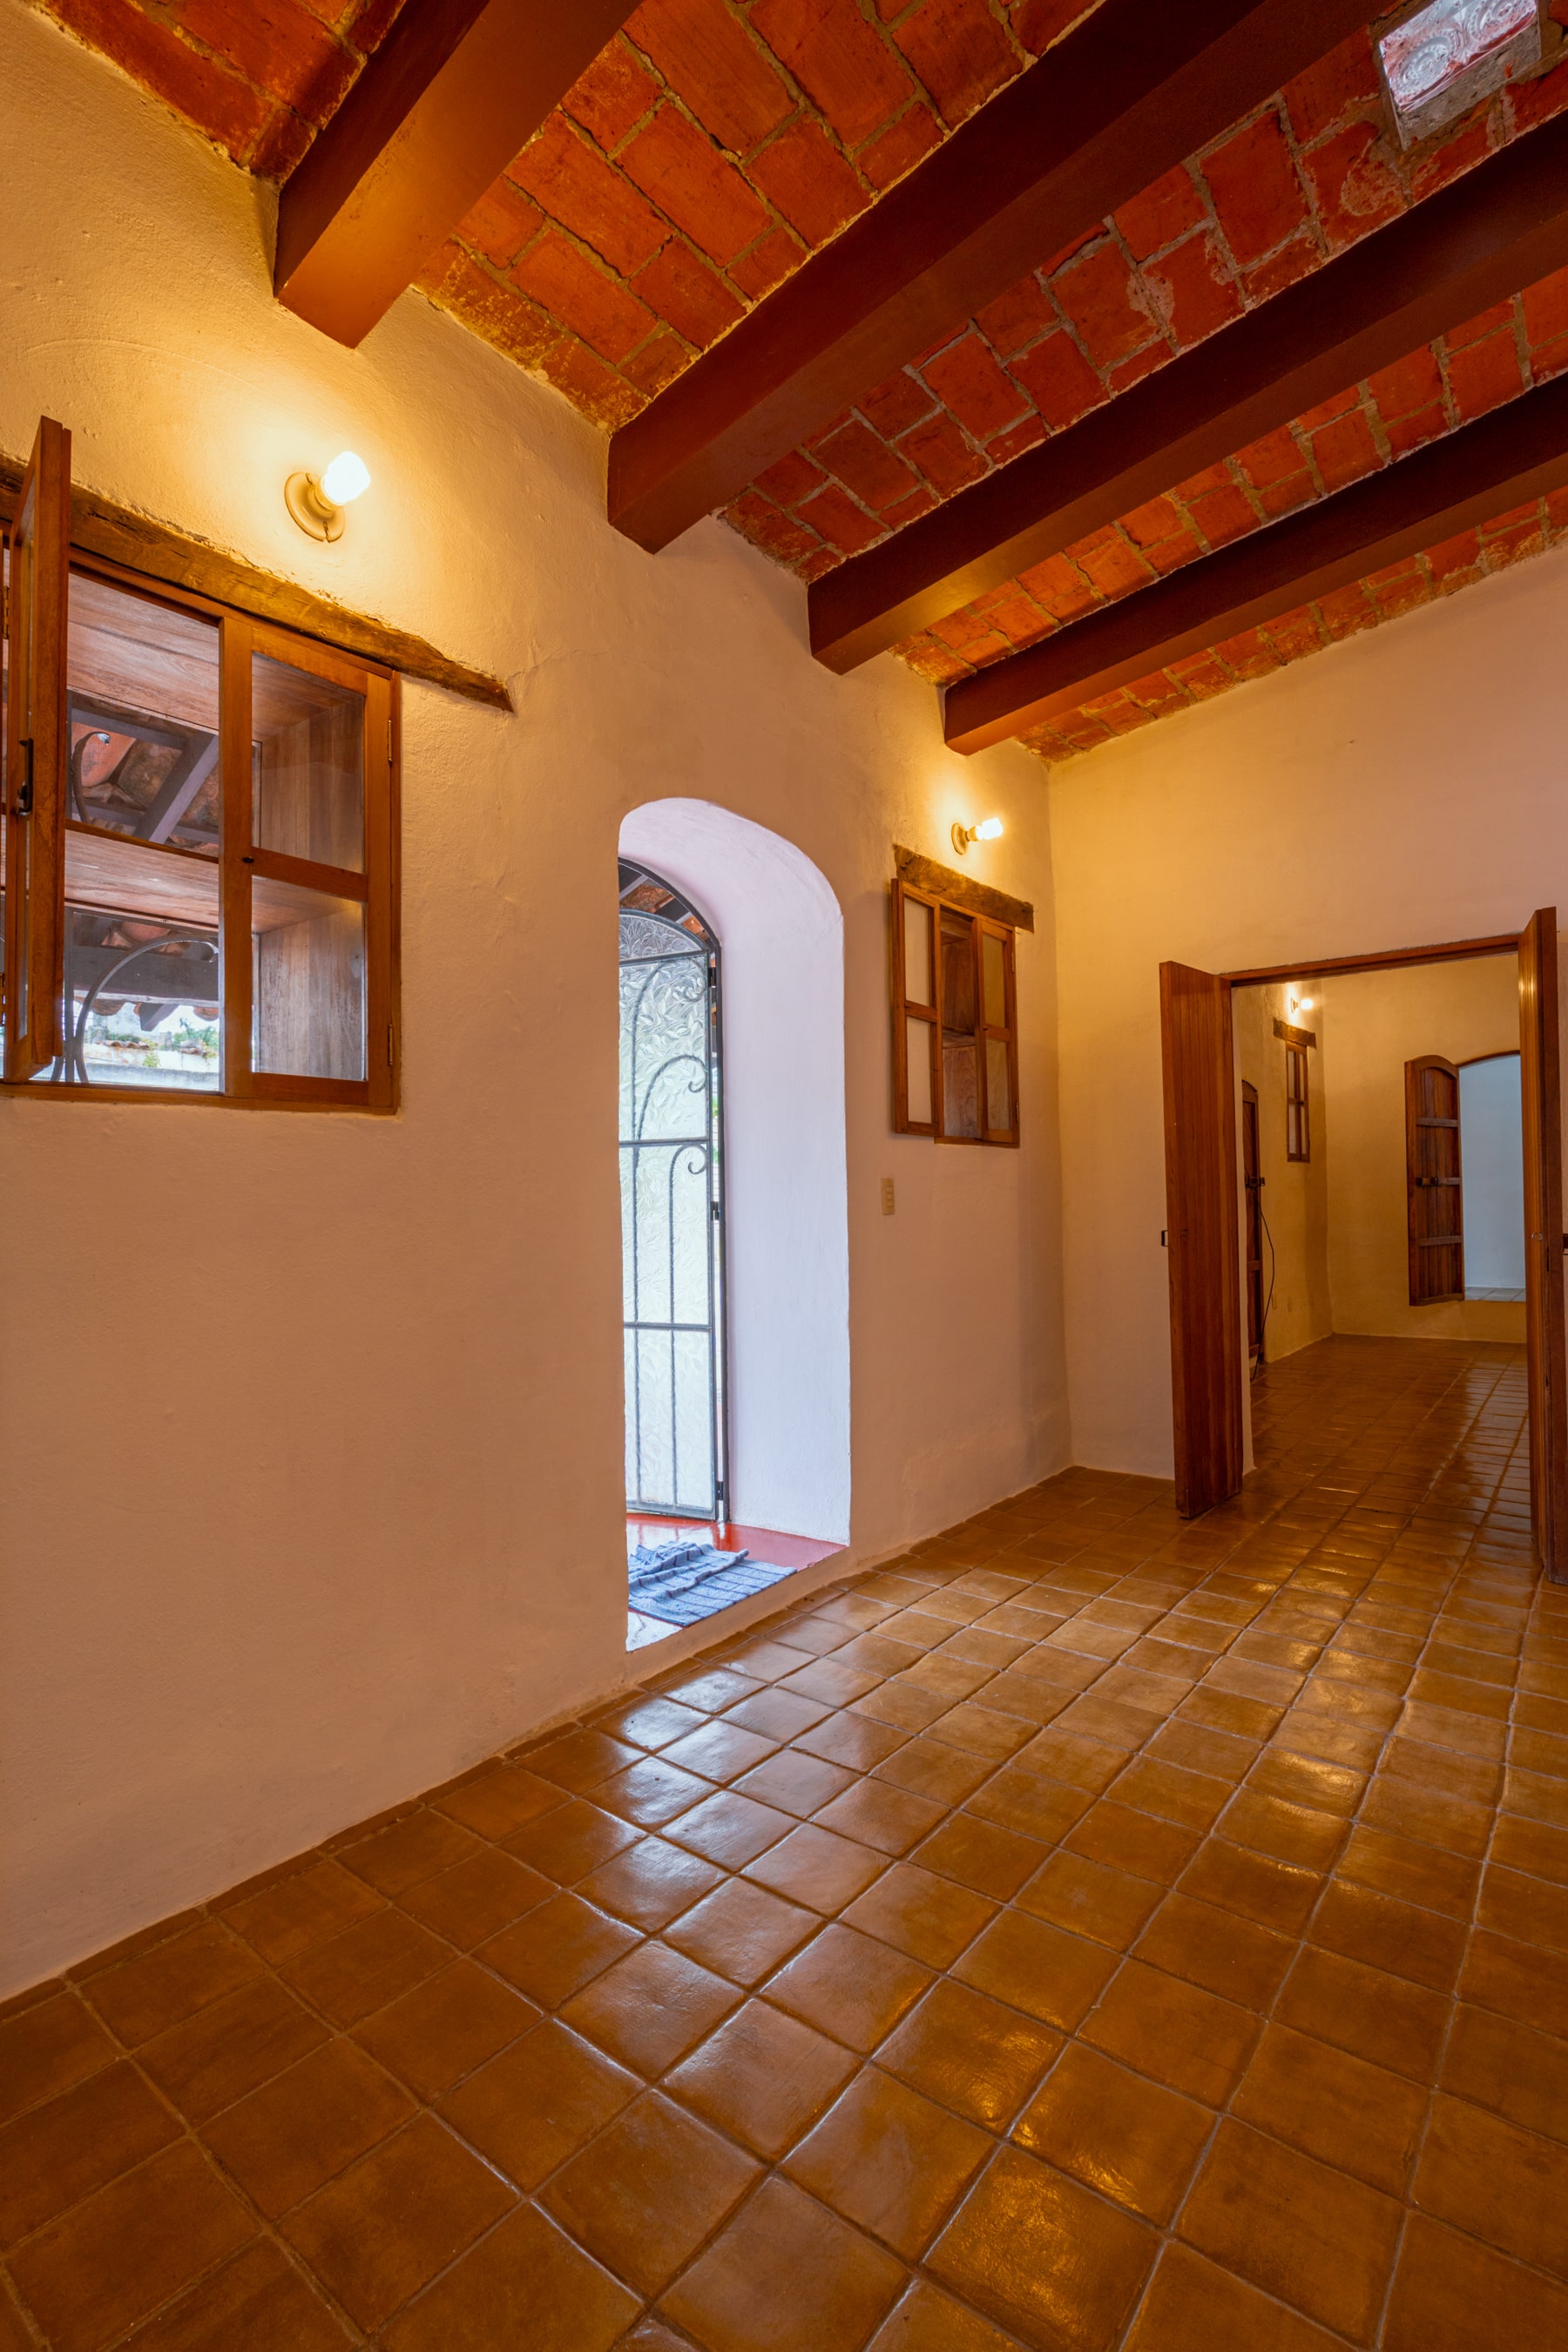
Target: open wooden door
<point x="1252" y="1180"/>
<point x="1202" y="1235"/>
<point x="1543" y="1241"/>
<point x="38" y="748"/>
<point x="1434" y="1180"/>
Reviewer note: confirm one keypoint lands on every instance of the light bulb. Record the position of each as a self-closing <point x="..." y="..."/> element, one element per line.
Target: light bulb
<point x="989" y="829"/>
<point x="346" y="478"/>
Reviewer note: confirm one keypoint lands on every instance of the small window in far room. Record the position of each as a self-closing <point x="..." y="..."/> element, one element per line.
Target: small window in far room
<point x="1298" y="1108"/>
<point x="955" y="1046"/>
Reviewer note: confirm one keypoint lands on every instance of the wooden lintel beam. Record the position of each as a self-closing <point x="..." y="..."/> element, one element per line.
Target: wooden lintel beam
<point x="120" y="535"/>
<point x="1517" y="454"/>
<point x="1490" y="234"/>
<point x="1137" y="86"/>
<point x="437" y="113"/>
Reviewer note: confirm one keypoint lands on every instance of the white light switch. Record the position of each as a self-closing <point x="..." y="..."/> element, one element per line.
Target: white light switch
<point x="886" y="1196"/>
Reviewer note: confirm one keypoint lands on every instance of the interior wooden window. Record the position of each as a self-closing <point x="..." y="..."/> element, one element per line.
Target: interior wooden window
<point x="1434" y="1180"/>
<point x="206" y="861"/>
<point x="998" y="1025"/>
<point x="917" y="1060"/>
<point x="1297" y="1107"/>
<point x="955" y="1074"/>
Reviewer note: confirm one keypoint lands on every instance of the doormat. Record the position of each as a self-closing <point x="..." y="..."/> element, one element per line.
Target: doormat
<point x="682" y="1582"/>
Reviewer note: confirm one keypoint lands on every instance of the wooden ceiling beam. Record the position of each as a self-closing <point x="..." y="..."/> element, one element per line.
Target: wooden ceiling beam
<point x="437" y="113"/>
<point x="1137" y="87"/>
<point x="1517" y="454"/>
<point x="1498" y="229"/>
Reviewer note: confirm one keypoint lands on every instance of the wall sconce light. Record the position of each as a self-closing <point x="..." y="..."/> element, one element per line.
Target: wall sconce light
<point x="318" y="506"/>
<point x="989" y="829"/>
<point x="1294" y="1004"/>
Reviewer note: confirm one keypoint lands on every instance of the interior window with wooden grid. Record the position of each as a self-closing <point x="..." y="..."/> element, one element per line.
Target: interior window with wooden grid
<point x="955" y="1049"/>
<point x="200" y="838"/>
<point x="1297" y="1105"/>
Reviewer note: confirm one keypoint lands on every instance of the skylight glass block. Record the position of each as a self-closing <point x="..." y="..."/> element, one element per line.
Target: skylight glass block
<point x="1450" y="54"/>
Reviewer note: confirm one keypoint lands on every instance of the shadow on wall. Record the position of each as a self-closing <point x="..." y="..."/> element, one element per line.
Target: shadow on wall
<point x="782" y="933"/>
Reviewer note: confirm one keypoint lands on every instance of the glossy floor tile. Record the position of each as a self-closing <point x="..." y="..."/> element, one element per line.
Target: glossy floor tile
<point x="1092" y="1930"/>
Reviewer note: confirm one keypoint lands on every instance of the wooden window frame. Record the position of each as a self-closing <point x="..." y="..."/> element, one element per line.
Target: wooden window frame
<point x="1297" y="1104"/>
<point x="241" y="862"/>
<point x="906" y="1009"/>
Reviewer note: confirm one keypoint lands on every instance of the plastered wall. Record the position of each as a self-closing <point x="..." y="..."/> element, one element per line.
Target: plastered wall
<point x="1375" y="1023"/>
<point x="312" y="1479"/>
<point x="1295" y="1193"/>
<point x="1407" y="786"/>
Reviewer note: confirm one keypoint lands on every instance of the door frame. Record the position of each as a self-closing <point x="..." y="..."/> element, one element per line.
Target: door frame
<point x="1208" y="1350"/>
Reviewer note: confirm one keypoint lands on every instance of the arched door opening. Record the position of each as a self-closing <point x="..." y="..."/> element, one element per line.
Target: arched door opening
<point x="672" y="1224"/>
<point x="735" y="1224"/>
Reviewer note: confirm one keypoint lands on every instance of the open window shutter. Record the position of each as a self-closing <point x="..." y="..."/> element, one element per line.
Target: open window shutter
<point x="37" y="753"/>
<point x="1543" y="1241"/>
<point x="1432" y="1181"/>
<point x="916" y="1027"/>
<point x="999" y="1034"/>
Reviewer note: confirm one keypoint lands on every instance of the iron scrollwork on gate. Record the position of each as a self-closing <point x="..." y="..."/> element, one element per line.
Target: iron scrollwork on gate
<point x="671" y="1201"/>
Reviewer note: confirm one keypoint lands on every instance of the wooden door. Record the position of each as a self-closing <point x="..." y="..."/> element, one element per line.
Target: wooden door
<point x="1252" y="1178"/>
<point x="1434" y="1180"/>
<point x="1202" y="1234"/>
<point x="1543" y="1241"/>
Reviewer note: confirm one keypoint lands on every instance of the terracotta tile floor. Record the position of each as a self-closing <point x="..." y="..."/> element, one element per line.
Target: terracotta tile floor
<point x="1091" y="1931"/>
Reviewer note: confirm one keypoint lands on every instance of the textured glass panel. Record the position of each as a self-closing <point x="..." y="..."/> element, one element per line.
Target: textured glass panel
<point x="917" y="953"/>
<point x="643" y="936"/>
<point x="670" y="1418"/>
<point x="998" y="1087"/>
<point x="666" y="1241"/>
<point x="1441" y="41"/>
<point x="668" y="1234"/>
<point x="665" y="1085"/>
<point x="918" y="1035"/>
<point x="993" y="958"/>
<point x="308" y="753"/>
<point x="959" y="1087"/>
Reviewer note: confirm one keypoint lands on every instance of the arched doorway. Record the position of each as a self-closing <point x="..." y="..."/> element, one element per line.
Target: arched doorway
<point x="672" y="1220"/>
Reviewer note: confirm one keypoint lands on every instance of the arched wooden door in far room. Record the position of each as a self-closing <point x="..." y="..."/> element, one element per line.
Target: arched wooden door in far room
<point x="1434" y="1180"/>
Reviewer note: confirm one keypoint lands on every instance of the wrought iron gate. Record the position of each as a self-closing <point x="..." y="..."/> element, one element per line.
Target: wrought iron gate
<point x="672" y="1224"/>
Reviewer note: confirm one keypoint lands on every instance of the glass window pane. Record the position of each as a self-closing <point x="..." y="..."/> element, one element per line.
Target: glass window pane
<point x="960" y="1086"/>
<point x="142" y="700"/>
<point x="918" y="1035"/>
<point x="998" y="1087"/>
<point x="309" y="978"/>
<point x="308" y="774"/>
<point x="917" y="953"/>
<point x="993" y="955"/>
<point x="958" y="1005"/>
<point x="142" y="1003"/>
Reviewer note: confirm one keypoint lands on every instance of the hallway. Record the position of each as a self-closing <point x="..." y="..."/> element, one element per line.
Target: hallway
<point x="1090" y="1930"/>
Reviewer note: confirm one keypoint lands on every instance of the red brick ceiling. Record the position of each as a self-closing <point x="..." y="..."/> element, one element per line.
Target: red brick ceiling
<point x="716" y="143"/>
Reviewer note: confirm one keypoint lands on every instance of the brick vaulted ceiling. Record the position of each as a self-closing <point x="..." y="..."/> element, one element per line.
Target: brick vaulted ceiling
<point x="714" y="144"/>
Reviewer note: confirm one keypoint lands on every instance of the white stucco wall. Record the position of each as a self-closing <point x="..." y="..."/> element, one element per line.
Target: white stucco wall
<point x="311" y="1480"/>
<point x="1406" y="787"/>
